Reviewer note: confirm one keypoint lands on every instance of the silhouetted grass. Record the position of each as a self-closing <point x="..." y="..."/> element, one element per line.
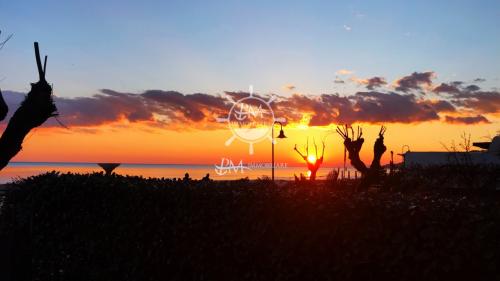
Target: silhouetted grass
<point x="96" y="227"/>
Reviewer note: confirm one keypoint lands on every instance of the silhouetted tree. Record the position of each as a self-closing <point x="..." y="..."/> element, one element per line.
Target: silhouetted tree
<point x="372" y="174"/>
<point x="312" y="166"/>
<point x="36" y="108"/>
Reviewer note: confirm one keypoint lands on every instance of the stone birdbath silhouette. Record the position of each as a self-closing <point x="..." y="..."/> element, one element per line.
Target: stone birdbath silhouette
<point x="108" y="167"/>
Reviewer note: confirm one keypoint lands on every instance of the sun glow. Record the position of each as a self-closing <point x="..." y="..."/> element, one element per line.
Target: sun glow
<point x="311" y="159"/>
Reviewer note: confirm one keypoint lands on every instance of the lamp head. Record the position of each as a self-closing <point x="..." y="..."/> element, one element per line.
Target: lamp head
<point x="281" y="135"/>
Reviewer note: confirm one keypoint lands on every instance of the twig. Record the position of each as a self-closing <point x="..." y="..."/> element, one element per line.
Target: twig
<point x="39" y="62"/>
<point x="5" y="41"/>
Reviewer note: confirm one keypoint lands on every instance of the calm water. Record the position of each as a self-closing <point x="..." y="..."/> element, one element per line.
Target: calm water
<point x="25" y="169"/>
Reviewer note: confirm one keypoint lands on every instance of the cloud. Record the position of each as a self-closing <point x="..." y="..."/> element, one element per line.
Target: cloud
<point x="415" y="81"/>
<point x="438" y="105"/>
<point x="457" y="102"/>
<point x="479" y="80"/>
<point x="470" y="97"/>
<point x="455" y="87"/>
<point x="479" y="101"/>
<point x="338" y="81"/>
<point x="184" y="108"/>
<point x="371" y="83"/>
<point x="370" y="107"/>
<point x="347" y="28"/>
<point x="472" y="88"/>
<point x="375" y="107"/>
<point x="457" y="83"/>
<point x="154" y="107"/>
<point x="478" y="119"/>
<point x="446" y="88"/>
<point x="344" y="72"/>
<point x="234" y="96"/>
<point x="289" y="87"/>
<point x="375" y="82"/>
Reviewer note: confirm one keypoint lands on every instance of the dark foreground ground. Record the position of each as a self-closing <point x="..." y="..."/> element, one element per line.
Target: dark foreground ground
<point x="93" y="227"/>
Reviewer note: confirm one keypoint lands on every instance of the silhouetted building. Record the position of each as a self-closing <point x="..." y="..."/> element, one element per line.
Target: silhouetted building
<point x="490" y="156"/>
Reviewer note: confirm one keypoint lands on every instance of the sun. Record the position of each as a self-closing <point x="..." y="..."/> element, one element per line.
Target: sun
<point x="311" y="159"/>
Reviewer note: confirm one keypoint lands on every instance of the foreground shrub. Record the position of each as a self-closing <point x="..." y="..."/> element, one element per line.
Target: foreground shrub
<point x="96" y="227"/>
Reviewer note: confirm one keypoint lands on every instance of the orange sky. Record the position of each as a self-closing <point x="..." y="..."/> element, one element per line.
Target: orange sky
<point x="135" y="143"/>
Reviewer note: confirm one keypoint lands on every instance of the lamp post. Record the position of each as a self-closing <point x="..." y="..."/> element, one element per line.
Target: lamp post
<point x="280" y="136"/>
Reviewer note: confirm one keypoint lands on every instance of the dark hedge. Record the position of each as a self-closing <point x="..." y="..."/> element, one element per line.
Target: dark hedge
<point x="96" y="227"/>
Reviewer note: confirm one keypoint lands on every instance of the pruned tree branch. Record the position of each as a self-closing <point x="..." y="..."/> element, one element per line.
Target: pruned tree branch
<point x="353" y="147"/>
<point x="36" y="108"/>
<point x="312" y="166"/>
<point x="378" y="149"/>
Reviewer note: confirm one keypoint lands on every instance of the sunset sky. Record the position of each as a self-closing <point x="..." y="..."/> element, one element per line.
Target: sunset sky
<point x="144" y="82"/>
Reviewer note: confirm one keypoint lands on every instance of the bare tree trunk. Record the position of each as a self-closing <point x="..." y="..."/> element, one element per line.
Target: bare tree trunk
<point x="369" y="175"/>
<point x="312" y="166"/>
<point x="36" y="108"/>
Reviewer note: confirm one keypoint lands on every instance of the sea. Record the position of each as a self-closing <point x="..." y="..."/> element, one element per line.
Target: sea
<point x="18" y="170"/>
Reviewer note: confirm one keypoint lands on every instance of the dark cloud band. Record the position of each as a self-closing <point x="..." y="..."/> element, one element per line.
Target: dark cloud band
<point x="462" y="104"/>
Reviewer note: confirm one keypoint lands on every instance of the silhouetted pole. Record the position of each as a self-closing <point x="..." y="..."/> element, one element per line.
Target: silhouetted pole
<point x="280" y="136"/>
<point x="392" y="163"/>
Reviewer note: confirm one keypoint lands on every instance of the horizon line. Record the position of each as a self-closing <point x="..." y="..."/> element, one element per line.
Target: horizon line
<point x="153" y="164"/>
